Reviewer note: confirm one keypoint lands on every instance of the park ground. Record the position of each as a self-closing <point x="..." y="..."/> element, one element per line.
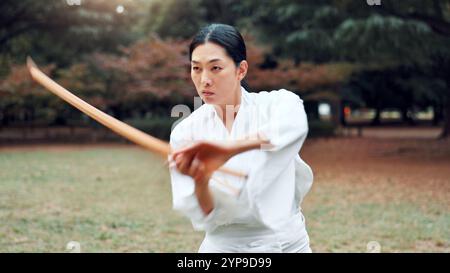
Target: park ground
<point x="117" y="198"/>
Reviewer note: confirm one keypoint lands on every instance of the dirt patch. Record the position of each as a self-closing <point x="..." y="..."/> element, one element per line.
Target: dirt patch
<point x="404" y="165"/>
<point x="62" y="147"/>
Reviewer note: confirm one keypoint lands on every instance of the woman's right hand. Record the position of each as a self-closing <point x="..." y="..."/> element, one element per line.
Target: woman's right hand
<point x="201" y="159"/>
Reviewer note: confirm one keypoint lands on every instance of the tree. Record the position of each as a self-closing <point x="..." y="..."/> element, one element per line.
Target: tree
<point x="151" y="72"/>
<point x="52" y="31"/>
<point x="392" y="36"/>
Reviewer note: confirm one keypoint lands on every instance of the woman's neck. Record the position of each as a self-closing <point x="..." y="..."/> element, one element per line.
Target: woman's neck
<point x="227" y="112"/>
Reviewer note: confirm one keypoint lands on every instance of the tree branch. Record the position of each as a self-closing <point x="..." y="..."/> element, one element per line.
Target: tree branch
<point x="438" y="25"/>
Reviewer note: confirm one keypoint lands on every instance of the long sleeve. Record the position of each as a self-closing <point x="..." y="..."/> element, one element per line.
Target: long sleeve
<point x="272" y="182"/>
<point x="287" y="125"/>
<point x="226" y="207"/>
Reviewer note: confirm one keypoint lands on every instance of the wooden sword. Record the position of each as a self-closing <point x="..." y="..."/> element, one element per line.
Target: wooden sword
<point x="147" y="141"/>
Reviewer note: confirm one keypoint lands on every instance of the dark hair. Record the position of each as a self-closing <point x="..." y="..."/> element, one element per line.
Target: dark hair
<point x="225" y="36"/>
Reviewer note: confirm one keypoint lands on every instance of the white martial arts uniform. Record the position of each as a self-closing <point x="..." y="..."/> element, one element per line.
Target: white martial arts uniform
<point x="261" y="214"/>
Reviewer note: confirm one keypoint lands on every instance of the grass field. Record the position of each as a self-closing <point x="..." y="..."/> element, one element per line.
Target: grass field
<point x="117" y="198"/>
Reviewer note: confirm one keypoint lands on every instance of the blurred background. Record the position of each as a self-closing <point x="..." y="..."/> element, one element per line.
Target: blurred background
<point x="374" y="77"/>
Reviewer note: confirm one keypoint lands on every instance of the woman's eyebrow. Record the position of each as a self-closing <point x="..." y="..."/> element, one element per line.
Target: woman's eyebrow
<point x="210" y="61"/>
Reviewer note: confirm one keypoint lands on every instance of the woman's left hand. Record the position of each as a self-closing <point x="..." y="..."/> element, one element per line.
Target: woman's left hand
<point x="201" y="159"/>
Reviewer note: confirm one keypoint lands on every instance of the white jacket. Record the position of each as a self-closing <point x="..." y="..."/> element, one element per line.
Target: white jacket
<point x="262" y="213"/>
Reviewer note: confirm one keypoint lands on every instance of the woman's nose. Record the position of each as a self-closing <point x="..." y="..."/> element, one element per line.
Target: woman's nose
<point x="205" y="80"/>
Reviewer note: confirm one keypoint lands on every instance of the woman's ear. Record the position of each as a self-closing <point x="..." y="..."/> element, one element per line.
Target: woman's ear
<point x="242" y="69"/>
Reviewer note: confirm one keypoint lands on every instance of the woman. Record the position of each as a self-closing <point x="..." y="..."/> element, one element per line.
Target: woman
<point x="259" y="134"/>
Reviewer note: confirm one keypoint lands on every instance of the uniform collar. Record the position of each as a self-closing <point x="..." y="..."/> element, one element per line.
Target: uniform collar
<point x="244" y="102"/>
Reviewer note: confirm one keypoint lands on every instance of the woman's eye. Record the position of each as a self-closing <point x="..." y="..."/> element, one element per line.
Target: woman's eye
<point x="217" y="68"/>
<point x="195" y="68"/>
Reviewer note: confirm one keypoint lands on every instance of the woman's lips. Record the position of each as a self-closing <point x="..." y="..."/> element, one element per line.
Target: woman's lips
<point x="207" y="93"/>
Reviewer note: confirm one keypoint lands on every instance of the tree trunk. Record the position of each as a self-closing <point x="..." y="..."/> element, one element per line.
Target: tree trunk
<point x="437" y="114"/>
<point x="406" y="119"/>
<point x="377" y="119"/>
<point x="336" y="112"/>
<point x="446" y="129"/>
<point x="342" y="114"/>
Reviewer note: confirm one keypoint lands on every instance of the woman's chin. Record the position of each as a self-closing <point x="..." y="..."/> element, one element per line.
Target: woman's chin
<point x="209" y="99"/>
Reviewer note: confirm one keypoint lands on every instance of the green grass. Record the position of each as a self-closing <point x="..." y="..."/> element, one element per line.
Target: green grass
<point x="109" y="200"/>
<point x="119" y="200"/>
<point x="345" y="218"/>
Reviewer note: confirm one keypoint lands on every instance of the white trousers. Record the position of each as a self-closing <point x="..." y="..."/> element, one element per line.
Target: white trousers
<point x="239" y="238"/>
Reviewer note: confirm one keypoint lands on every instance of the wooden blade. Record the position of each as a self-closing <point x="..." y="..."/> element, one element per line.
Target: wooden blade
<point x="145" y="140"/>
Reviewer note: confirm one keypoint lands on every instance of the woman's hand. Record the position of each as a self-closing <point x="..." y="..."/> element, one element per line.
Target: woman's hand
<point x="201" y="159"/>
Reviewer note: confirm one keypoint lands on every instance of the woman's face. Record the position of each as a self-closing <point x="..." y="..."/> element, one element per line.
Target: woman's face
<point x="215" y="75"/>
